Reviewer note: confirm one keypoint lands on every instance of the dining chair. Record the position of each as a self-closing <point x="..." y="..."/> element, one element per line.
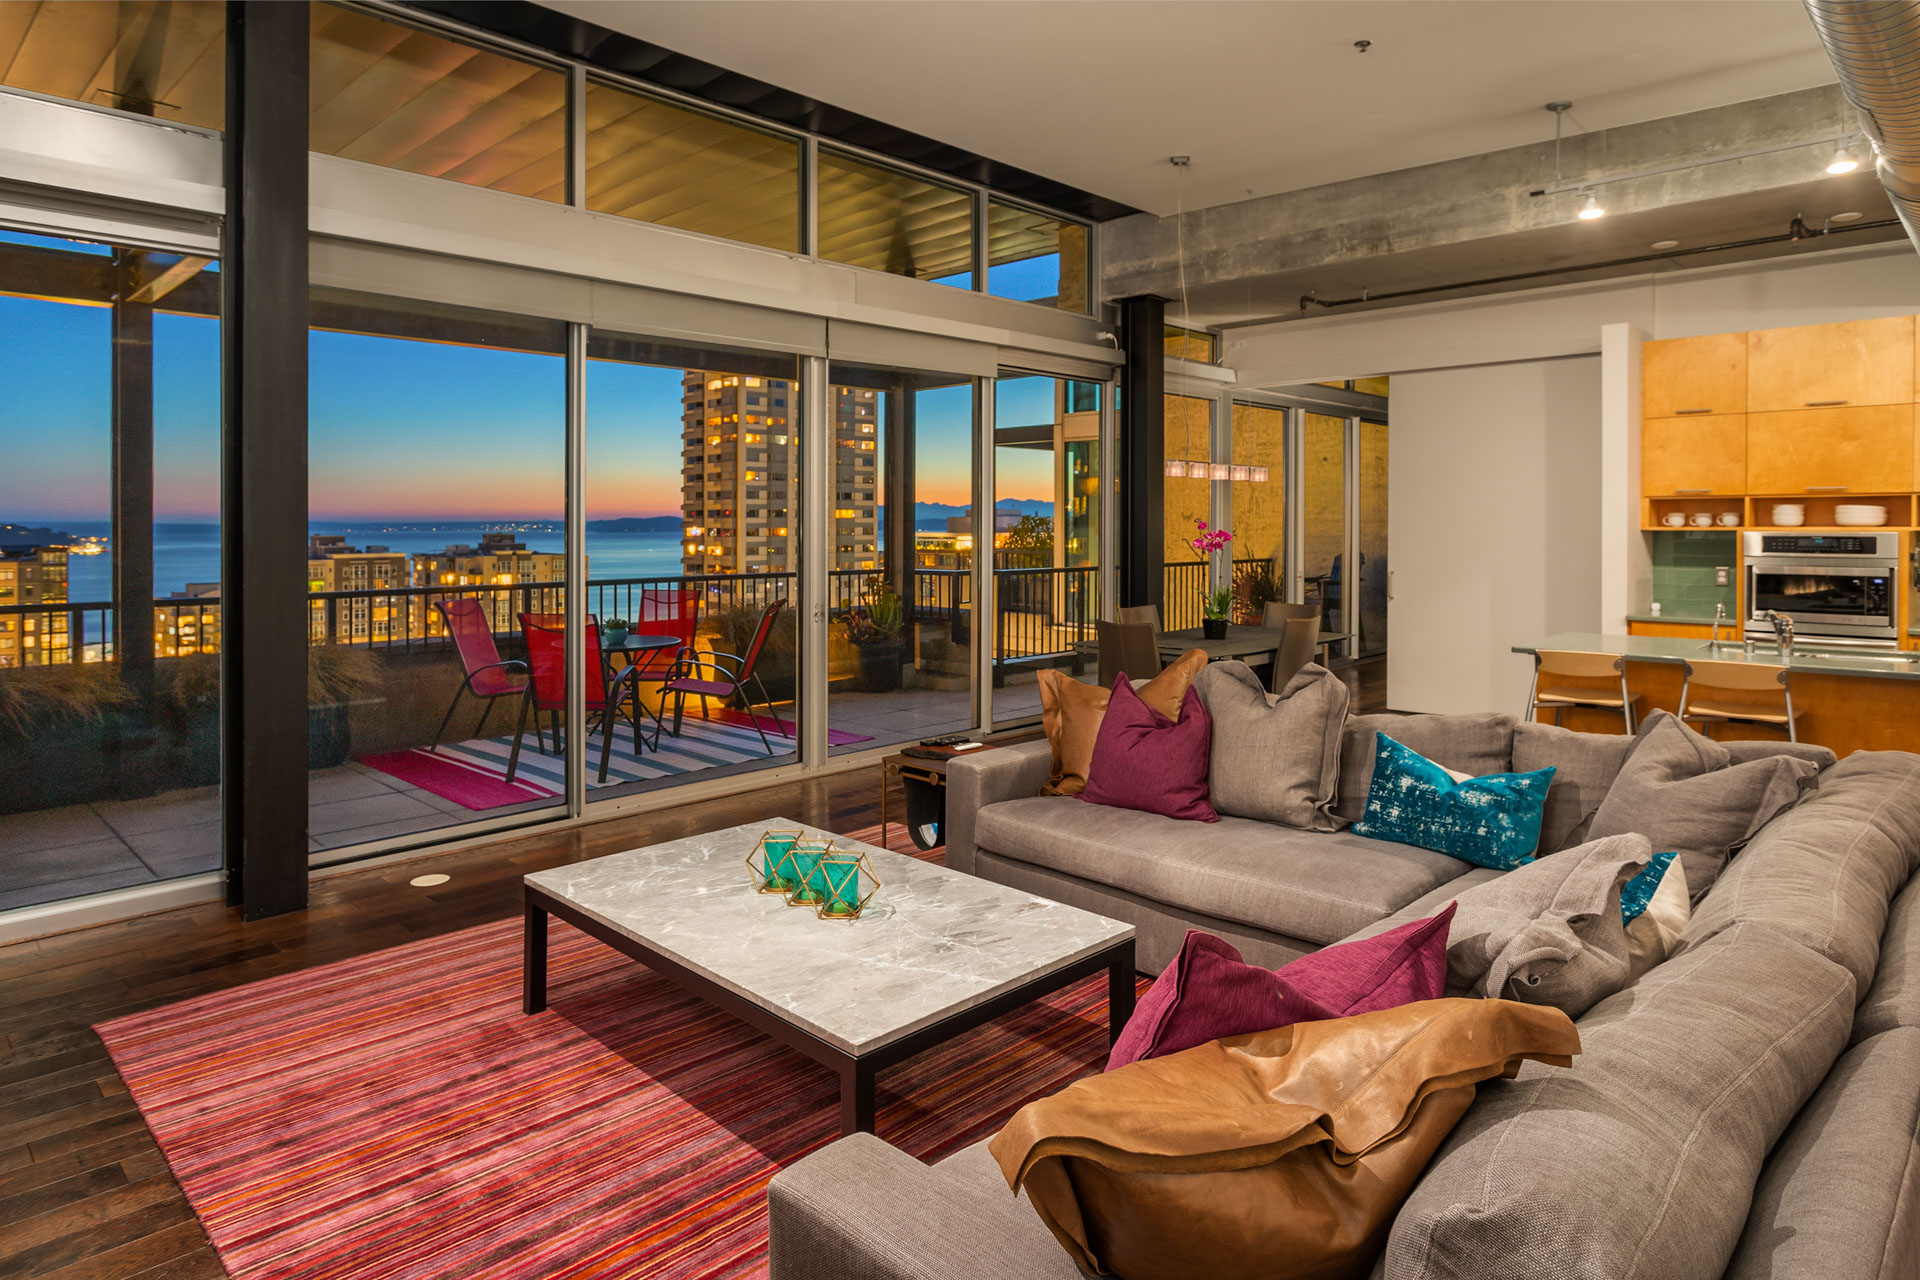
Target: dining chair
<point x="1738" y="692"/>
<point x="483" y="673"/>
<point x="1298" y="638"/>
<point x="1553" y="667"/>
<point x="1278" y="613"/>
<point x="1139" y="613"/>
<point x="546" y="635"/>
<point x="732" y="674"/>
<point x="1131" y="647"/>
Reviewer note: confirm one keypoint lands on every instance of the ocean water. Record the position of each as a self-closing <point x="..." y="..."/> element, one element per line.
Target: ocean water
<point x="184" y="553"/>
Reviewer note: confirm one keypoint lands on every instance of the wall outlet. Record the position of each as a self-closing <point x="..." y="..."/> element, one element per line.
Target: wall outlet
<point x="1720" y="575"/>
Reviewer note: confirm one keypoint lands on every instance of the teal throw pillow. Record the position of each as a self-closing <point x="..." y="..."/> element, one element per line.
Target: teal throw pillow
<point x="1492" y="821"/>
<point x="1638" y="892"/>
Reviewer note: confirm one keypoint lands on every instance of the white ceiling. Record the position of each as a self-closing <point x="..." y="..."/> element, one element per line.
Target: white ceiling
<point x="1265" y="95"/>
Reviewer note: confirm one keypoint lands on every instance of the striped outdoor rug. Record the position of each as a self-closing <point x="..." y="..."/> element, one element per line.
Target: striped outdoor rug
<point x="702" y="744"/>
<point x="395" y="1116"/>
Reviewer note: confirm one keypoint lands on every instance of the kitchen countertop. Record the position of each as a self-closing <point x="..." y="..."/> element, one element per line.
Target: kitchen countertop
<point x="1887" y="665"/>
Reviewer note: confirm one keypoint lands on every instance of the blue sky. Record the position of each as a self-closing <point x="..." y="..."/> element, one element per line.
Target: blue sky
<point x="403" y="429"/>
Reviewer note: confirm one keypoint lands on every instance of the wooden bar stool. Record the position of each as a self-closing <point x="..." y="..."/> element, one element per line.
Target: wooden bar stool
<point x="1552" y="668"/>
<point x="1737" y="691"/>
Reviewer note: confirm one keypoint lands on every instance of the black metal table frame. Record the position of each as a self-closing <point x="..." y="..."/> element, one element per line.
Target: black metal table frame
<point x="856" y="1071"/>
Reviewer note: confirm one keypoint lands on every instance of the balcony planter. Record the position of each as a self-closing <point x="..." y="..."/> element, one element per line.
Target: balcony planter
<point x="880" y="664"/>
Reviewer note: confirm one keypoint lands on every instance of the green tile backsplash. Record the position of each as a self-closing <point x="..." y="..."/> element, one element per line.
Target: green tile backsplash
<point x="1683" y="565"/>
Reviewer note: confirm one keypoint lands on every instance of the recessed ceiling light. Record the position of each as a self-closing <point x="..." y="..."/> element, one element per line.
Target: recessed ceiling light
<point x="1852" y="215"/>
<point x="1591" y="209"/>
<point x="1666" y="244"/>
<point x="1844" y="161"/>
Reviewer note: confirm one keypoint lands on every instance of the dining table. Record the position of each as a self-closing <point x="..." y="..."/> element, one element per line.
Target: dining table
<point x="1252" y="645"/>
<point x="641" y="652"/>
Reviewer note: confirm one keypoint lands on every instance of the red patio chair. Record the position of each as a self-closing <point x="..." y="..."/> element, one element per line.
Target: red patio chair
<point x="732" y="673"/>
<point x="546" y="635"/>
<point x="485" y="675"/>
<point x="665" y="611"/>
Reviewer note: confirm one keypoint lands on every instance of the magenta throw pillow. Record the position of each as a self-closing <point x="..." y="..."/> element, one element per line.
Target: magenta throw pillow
<point x="1209" y="992"/>
<point x="1142" y="760"/>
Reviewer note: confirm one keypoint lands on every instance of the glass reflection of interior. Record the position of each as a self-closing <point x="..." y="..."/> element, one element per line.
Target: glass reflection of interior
<point x="692" y="480"/>
<point x="1186" y="499"/>
<point x="888" y="220"/>
<point x="1046" y="541"/>
<point x="900" y="584"/>
<point x="1035" y="258"/>
<point x="1371" y="613"/>
<point x="152" y="58"/>
<point x="1259" y="509"/>
<point x="1323" y="497"/>
<point x="110" y="572"/>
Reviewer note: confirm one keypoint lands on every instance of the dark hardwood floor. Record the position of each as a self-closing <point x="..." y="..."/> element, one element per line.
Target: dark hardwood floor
<point x="85" y="1192"/>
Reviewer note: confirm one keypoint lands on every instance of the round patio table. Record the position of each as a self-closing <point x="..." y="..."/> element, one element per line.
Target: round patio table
<point x="640" y="651"/>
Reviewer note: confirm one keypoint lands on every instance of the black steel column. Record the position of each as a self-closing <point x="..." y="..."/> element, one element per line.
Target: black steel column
<point x="264" y="460"/>
<point x="1142" y="449"/>
<point x="132" y="475"/>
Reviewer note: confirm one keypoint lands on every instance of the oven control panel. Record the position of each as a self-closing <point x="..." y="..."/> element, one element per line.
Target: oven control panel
<point x="1818" y="544"/>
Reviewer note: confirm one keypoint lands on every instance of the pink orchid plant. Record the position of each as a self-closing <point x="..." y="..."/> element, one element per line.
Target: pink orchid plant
<point x="1213" y="604"/>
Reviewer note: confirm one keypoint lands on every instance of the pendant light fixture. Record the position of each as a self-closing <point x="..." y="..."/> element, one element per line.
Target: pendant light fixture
<point x="1591" y="209"/>
<point x="1844" y="161"/>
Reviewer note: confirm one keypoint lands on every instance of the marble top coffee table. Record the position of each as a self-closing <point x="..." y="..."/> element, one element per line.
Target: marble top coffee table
<point x="935" y="953"/>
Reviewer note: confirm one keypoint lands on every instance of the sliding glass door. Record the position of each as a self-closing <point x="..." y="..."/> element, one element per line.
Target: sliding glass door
<point x="436" y="567"/>
<point x="691" y="471"/>
<point x="901" y="617"/>
<point x="110" y="543"/>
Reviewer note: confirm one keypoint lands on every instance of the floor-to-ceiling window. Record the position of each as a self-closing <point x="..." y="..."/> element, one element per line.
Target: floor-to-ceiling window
<point x="904" y="535"/>
<point x="691" y="471"/>
<point x="1259" y="497"/>
<point x="1186" y="503"/>
<point x="436" y="567"/>
<point x="1323" y="532"/>
<point x="1370" y="520"/>
<point x="109" y="567"/>
<point x="1046" y="542"/>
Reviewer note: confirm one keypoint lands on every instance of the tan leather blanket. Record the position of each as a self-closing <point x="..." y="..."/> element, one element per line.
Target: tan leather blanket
<point x="1279" y="1155"/>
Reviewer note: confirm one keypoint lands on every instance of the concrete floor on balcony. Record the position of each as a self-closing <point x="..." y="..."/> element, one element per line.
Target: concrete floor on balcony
<point x="92" y="848"/>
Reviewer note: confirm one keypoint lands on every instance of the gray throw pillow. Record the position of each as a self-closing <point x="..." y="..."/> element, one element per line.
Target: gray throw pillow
<point x="1275" y="758"/>
<point x="1548" y="932"/>
<point x="1476" y="745"/>
<point x="1584" y="765"/>
<point x="1680" y="790"/>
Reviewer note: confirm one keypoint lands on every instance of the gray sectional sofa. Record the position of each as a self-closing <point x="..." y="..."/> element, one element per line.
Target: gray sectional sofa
<point x="1750" y="1108"/>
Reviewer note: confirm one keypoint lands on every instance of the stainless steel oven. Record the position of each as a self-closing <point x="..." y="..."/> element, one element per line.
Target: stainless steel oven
<point x="1830" y="584"/>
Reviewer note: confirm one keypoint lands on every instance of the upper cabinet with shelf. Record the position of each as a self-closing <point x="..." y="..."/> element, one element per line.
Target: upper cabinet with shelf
<point x="1826" y="366"/>
<point x="1687" y="376"/>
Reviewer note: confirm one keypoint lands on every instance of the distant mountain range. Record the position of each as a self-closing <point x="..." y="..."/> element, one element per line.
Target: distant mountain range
<point x="21" y="535"/>
<point x="934" y="515"/>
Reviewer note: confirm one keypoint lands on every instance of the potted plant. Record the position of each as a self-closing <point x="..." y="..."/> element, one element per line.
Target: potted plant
<point x="1255" y="587"/>
<point x="1216" y="607"/>
<point x="614" y="631"/>
<point x="874" y="630"/>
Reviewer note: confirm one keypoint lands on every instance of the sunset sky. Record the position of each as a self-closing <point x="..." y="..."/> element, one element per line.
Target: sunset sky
<point x="399" y="430"/>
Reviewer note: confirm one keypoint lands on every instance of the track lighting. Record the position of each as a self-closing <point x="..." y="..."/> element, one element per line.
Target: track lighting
<point x="1591" y="208"/>
<point x="1844" y="161"/>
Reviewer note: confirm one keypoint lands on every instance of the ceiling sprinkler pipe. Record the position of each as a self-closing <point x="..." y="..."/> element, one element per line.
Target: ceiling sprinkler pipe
<point x="1874" y="46"/>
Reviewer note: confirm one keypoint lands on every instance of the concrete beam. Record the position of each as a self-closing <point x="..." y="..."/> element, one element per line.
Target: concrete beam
<point x="1249" y="262"/>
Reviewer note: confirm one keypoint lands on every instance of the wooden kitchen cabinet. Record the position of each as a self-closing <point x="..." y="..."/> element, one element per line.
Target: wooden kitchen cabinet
<point x="1833" y="451"/>
<point x="1685" y="456"/>
<point x="1859" y="362"/>
<point x="1686" y="376"/>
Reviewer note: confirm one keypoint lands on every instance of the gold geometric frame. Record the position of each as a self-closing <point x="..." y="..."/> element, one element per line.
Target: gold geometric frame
<point x="777" y="877"/>
<point x="846" y="871"/>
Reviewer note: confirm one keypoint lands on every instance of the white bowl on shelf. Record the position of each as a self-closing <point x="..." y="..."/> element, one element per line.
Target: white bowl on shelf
<point x="1789" y="514"/>
<point x="1859" y="515"/>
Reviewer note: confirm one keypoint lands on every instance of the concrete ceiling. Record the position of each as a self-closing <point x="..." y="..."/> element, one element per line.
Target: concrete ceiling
<point x="1265" y="96"/>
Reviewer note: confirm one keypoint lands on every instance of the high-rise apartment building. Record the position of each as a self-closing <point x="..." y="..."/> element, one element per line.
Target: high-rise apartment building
<point x="332" y="565"/>
<point x="499" y="560"/>
<point x="33" y="576"/>
<point x="741" y="475"/>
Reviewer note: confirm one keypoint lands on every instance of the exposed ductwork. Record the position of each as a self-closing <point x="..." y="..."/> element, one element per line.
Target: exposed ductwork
<point x="1875" y="48"/>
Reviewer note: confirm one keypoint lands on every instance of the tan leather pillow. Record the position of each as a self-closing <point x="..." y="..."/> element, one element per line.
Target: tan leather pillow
<point x="1071" y="713"/>
<point x="1281" y="1154"/>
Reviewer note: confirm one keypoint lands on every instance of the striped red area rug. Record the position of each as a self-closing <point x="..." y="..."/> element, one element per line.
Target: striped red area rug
<point x="396" y="1117"/>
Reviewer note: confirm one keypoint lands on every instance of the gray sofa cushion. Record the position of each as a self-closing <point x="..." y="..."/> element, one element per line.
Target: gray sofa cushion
<point x="1426" y="904"/>
<point x="1894" y="999"/>
<point x="1840" y="1198"/>
<point x="1316" y="886"/>
<point x="1742" y="750"/>
<point x="1548" y="932"/>
<point x="1584" y="764"/>
<point x="1824" y="873"/>
<point x="1679" y="790"/>
<point x="1475" y="745"/>
<point x="1639" y="1163"/>
<point x="1276" y="758"/>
